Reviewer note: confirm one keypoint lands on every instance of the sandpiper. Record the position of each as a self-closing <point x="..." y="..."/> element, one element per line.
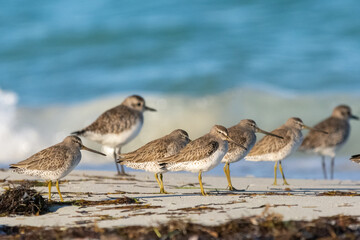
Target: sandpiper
<point x="200" y="155"/>
<point x="55" y="162"/>
<point x="355" y="158"/>
<point x="338" y="127"/>
<point x="146" y="157"/>
<point x="243" y="133"/>
<point x="117" y="126"/>
<point x="276" y="149"/>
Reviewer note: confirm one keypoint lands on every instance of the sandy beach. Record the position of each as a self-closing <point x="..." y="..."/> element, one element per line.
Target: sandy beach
<point x="301" y="200"/>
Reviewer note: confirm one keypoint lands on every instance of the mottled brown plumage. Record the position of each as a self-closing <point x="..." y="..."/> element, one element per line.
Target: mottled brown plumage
<point x="147" y="157"/>
<point x="242" y="133"/>
<point x="199" y="148"/>
<point x="338" y="128"/>
<point x="117" y="126"/>
<point x="277" y="149"/>
<point x="55" y="162"/>
<point x="115" y="121"/>
<point x="200" y="155"/>
<point x="157" y="149"/>
<point x="355" y="158"/>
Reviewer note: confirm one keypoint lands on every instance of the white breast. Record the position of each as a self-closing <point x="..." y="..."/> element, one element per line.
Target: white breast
<point x="116" y="140"/>
<point x="203" y="165"/>
<point x="283" y="153"/>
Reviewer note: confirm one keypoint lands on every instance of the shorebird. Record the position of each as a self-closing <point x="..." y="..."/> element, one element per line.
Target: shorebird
<point x="244" y="134"/>
<point x="338" y="127"/>
<point x="276" y="149"/>
<point x="117" y="126"/>
<point x="55" y="162"/>
<point x="200" y="155"/>
<point x="146" y="157"/>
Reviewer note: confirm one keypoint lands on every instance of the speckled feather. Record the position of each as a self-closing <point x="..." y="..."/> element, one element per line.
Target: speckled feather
<point x="196" y="150"/>
<point x="355" y="158"/>
<point x="269" y="144"/>
<point x="338" y="132"/>
<point x="157" y="149"/>
<point x="51" y="163"/>
<point x="242" y="135"/>
<point x="115" y="120"/>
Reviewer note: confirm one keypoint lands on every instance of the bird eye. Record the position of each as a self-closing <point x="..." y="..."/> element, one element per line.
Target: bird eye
<point x="139" y="104"/>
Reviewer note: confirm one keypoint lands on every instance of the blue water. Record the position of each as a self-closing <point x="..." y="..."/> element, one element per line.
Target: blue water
<point x="72" y="51"/>
<point x="198" y="62"/>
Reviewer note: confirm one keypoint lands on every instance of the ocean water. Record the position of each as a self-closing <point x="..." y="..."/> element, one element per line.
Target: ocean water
<point x="199" y="63"/>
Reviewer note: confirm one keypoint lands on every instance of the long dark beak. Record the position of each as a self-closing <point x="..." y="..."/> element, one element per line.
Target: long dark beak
<point x="91" y="150"/>
<point x="232" y="141"/>
<point x="314" y="129"/>
<point x="150" y="109"/>
<point x="354" y="117"/>
<point x="267" y="133"/>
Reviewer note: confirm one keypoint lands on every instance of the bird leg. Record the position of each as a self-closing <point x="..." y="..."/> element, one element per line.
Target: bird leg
<point x="49" y="186"/>
<point x="116" y="164"/>
<point x="162" y="189"/>
<point x="282" y="173"/>
<point x="332" y="168"/>
<point x="324" y="166"/>
<point x="58" y="189"/>
<point x="275" y="169"/>
<point x="201" y="185"/>
<point x="227" y="174"/>
<point x="157" y="179"/>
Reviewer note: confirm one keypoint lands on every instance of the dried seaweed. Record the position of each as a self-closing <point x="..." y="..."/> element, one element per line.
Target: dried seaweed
<point x="338" y="193"/>
<point x="22" y="200"/>
<point x="259" y="227"/>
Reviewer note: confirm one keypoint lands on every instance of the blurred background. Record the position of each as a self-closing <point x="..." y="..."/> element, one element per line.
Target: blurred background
<point x="199" y="63"/>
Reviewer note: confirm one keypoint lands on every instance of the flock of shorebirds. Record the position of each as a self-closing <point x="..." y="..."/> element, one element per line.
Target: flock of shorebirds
<point x="176" y="152"/>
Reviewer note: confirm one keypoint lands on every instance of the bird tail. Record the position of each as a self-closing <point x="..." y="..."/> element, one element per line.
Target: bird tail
<point x="79" y="133"/>
<point x="355" y="158"/>
<point x="162" y="166"/>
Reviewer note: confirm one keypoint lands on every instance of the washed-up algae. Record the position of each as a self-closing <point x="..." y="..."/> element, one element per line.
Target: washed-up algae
<point x="270" y="226"/>
<point x="22" y="200"/>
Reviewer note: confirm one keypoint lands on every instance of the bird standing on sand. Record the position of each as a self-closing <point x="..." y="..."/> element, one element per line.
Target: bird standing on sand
<point x="244" y="134"/>
<point x="276" y="149"/>
<point x="146" y="157"/>
<point x="55" y="162"/>
<point x="338" y="127"/>
<point x="200" y="155"/>
<point x="117" y="126"/>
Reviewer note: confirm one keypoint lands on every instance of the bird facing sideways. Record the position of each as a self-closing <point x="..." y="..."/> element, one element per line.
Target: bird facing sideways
<point x="244" y="134"/>
<point x="55" y="162"/>
<point x="147" y="157"/>
<point x="117" y="126"/>
<point x="201" y="154"/>
<point x="276" y="149"/>
<point x="338" y="127"/>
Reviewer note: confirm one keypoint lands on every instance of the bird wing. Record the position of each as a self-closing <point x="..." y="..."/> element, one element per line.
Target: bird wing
<point x="114" y="120"/>
<point x="336" y="134"/>
<point x="193" y="151"/>
<point x="151" y="151"/>
<point x="355" y="158"/>
<point x="269" y="144"/>
<point x="51" y="158"/>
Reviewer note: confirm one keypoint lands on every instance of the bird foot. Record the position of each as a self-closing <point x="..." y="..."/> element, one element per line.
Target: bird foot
<point x="231" y="188"/>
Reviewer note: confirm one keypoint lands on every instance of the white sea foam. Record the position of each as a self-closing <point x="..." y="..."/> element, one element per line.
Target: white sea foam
<point x="25" y="131"/>
<point x="17" y="141"/>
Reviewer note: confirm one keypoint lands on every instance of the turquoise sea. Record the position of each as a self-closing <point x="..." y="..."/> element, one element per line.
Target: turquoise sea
<point x="199" y="63"/>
